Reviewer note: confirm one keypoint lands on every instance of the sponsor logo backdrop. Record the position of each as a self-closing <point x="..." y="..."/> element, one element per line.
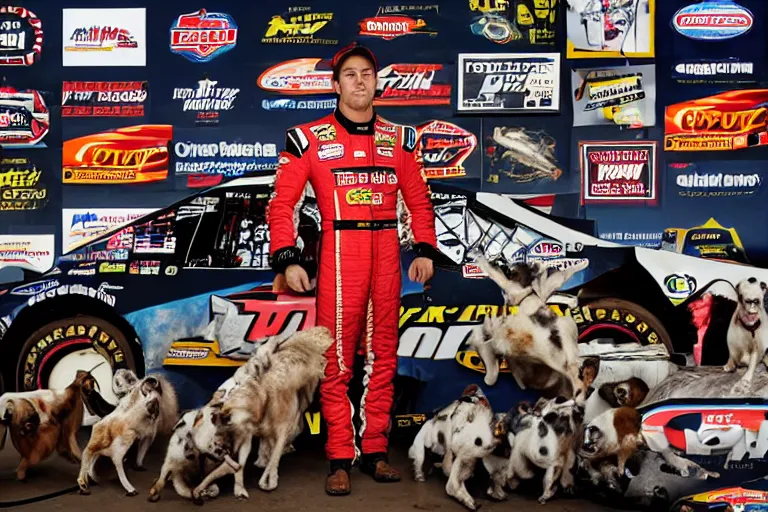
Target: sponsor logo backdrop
<point x="165" y="73"/>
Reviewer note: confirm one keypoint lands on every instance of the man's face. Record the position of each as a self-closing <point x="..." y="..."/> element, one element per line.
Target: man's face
<point x="357" y="83"/>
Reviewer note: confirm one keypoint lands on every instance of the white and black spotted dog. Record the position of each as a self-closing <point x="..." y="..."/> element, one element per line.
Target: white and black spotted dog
<point x="535" y="335"/>
<point x="543" y="436"/>
<point x="462" y="434"/>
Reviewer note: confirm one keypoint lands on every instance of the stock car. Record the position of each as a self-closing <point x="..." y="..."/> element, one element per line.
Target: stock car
<point x="187" y="290"/>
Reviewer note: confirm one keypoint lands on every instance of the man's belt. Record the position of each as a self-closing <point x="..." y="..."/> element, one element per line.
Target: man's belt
<point x="366" y="225"/>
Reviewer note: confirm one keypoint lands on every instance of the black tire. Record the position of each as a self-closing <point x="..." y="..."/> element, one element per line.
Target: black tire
<point x="612" y="314"/>
<point x="46" y="346"/>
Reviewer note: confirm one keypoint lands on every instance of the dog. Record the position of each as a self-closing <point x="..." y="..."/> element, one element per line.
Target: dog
<point x="124" y="381"/>
<point x="43" y="421"/>
<point x="535" y="335"/>
<point x="748" y="332"/>
<point x="435" y="435"/>
<point x="184" y="464"/>
<point x="544" y="437"/>
<point x="138" y="417"/>
<point x="462" y="433"/>
<point x="268" y="406"/>
<point x="613" y="437"/>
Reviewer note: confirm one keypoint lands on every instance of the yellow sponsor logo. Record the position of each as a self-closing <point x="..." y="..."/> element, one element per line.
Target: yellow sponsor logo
<point x="111" y="268"/>
<point x="363" y="196"/>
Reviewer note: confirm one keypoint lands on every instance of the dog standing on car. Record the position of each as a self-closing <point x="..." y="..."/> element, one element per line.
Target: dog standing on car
<point x="535" y="335"/>
<point x="268" y="406"/>
<point x="748" y="332"/>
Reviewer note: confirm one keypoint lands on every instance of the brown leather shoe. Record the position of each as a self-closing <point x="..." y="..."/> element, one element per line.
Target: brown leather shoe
<point x="381" y="471"/>
<point x="338" y="484"/>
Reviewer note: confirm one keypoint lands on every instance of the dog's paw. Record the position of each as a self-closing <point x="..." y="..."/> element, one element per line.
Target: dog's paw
<point x="132" y="493"/>
<point x="289" y="448"/>
<point x="211" y="492"/>
<point x="153" y="497"/>
<point x="543" y="500"/>
<point x="241" y="493"/>
<point x="84" y="490"/>
<point x="496" y="494"/>
<point x="260" y="463"/>
<point x="268" y="482"/>
<point x="419" y="477"/>
<point x="569" y="490"/>
<point x="197" y="499"/>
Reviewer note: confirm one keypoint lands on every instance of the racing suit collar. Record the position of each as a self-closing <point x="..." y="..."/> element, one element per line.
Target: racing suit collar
<point x="352" y="127"/>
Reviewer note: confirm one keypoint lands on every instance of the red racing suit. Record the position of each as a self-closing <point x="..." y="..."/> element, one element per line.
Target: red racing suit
<point x="356" y="171"/>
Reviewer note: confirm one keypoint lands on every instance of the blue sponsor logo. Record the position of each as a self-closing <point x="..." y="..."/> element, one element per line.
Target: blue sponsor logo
<point x="230" y="159"/>
<point x="35" y="288"/>
<point x="713" y="20"/>
<point x="299" y="104"/>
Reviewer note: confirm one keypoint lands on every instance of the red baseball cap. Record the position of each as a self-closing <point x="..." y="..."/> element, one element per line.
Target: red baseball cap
<point x="348" y="51"/>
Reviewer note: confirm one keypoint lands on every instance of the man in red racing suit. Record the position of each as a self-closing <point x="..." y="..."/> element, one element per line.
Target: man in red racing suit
<point x="356" y="169"/>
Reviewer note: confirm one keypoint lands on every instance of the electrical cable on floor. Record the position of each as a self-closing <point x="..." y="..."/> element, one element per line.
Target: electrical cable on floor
<point x="41" y="497"/>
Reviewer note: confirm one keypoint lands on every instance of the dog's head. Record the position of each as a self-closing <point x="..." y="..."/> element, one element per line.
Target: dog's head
<point x="609" y="431"/>
<point x="207" y="427"/>
<point x="589" y="370"/>
<point x="751" y="294"/>
<point x="182" y="434"/>
<point x="564" y="416"/>
<point x="23" y="413"/>
<point x="630" y="392"/>
<point x="150" y="385"/>
<point x="123" y="382"/>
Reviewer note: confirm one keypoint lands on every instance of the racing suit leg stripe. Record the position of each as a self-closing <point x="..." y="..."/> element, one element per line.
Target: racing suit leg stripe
<point x="386" y="301"/>
<point x="368" y="367"/>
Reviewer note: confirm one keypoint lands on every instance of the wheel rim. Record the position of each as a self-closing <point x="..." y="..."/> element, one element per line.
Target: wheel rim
<point x="61" y="374"/>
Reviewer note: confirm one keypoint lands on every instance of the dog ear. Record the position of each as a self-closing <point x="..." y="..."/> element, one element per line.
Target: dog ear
<point x="763" y="286"/>
<point x="523" y="408"/>
<point x="550" y="418"/>
<point x="547" y="284"/>
<point x="179" y="423"/>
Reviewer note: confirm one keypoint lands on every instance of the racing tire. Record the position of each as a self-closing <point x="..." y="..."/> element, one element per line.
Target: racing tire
<point x="51" y="343"/>
<point x="620" y="315"/>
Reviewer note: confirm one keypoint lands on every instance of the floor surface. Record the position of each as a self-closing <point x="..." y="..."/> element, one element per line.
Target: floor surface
<point x="300" y="488"/>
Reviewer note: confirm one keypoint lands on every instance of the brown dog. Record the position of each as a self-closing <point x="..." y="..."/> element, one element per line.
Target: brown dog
<point x="45" y="420"/>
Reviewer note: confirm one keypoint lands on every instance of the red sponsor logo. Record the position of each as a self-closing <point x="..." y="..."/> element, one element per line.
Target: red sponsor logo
<point x="103" y="99"/>
<point x="390" y="27"/>
<point x="713" y="20"/>
<point x="202" y="36"/>
<point x="411" y="84"/>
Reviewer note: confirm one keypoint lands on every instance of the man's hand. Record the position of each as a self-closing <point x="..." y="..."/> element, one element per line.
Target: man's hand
<point x="421" y="270"/>
<point x="297" y="279"/>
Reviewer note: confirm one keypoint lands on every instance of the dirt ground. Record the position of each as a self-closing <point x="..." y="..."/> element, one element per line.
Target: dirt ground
<point x="302" y="477"/>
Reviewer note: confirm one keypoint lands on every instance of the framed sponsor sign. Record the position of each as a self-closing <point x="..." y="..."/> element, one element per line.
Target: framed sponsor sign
<point x="508" y="82"/>
<point x="618" y="172"/>
<point x="729" y="121"/>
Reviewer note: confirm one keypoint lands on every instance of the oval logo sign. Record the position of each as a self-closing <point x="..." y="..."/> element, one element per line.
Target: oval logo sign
<point x="680" y="286"/>
<point x="713" y="20"/>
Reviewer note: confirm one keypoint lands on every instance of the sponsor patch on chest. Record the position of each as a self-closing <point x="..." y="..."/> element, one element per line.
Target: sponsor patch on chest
<point x="330" y="151"/>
